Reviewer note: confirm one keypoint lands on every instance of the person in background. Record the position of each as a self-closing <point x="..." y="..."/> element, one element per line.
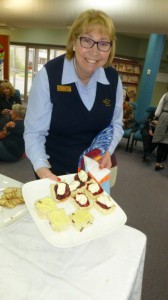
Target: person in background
<point x="161" y="132"/>
<point x="74" y="98"/>
<point x="128" y="111"/>
<point x="147" y="135"/>
<point x="8" y="97"/>
<point x="11" y="137"/>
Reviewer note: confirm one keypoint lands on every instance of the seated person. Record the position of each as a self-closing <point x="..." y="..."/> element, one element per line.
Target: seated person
<point x="128" y="115"/>
<point x="147" y="135"/>
<point x="8" y="97"/>
<point x="11" y="137"/>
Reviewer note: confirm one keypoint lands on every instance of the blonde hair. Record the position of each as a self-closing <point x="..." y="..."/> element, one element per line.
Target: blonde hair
<point x="8" y="85"/>
<point x="84" y="24"/>
<point x="19" y="110"/>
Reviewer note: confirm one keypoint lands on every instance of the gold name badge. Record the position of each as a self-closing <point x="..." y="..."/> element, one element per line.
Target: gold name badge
<point x="107" y="102"/>
<point x="64" y="88"/>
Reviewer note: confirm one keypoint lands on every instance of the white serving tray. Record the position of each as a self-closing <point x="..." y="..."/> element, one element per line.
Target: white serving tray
<point x="9" y="216"/>
<point x="102" y="225"/>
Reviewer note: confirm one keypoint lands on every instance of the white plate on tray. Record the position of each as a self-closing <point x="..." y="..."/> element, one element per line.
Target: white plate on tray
<point x="102" y="225"/>
<point x="9" y="216"/>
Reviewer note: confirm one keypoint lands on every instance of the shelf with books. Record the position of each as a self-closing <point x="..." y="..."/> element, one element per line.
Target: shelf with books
<point x="129" y="72"/>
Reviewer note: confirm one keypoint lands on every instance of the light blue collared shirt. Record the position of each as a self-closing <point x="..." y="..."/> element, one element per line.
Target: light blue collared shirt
<point x="39" y="109"/>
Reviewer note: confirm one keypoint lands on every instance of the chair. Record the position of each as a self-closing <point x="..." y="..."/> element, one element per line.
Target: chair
<point x="137" y="136"/>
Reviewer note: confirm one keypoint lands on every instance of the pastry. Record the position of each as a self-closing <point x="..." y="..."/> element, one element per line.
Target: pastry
<point x="93" y="189"/>
<point x="81" y="219"/>
<point x="76" y="186"/>
<point x="44" y="206"/>
<point x="81" y="200"/>
<point x="58" y="219"/>
<point x="82" y="176"/>
<point x="60" y="191"/>
<point x="104" y="204"/>
<point x="11" y="197"/>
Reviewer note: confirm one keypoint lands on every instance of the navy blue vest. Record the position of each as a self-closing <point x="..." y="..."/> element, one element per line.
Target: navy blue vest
<point x="72" y="126"/>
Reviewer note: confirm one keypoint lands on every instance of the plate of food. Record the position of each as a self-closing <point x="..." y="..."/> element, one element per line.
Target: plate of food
<point x="72" y="211"/>
<point x="12" y="205"/>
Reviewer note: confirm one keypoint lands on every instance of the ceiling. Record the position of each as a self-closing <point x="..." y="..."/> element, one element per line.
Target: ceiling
<point x="132" y="17"/>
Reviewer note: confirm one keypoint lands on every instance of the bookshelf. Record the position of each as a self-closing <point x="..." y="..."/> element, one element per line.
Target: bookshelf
<point x="129" y="72"/>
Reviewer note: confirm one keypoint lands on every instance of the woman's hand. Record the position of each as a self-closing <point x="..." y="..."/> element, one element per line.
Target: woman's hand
<point x="5" y="111"/>
<point x="10" y="124"/>
<point x="46" y="173"/>
<point x="105" y="161"/>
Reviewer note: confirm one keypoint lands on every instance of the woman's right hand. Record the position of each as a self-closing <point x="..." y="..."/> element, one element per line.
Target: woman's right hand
<point x="46" y="173"/>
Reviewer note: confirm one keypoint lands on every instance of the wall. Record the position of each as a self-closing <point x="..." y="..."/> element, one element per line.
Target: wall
<point x="126" y="46"/>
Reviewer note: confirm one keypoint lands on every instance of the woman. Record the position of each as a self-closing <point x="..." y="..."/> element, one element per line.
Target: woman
<point x="8" y="97"/>
<point x="73" y="98"/>
<point x="161" y="132"/>
<point x="11" y="138"/>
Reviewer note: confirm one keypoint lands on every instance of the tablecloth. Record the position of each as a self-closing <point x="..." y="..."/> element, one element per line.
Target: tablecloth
<point x="110" y="267"/>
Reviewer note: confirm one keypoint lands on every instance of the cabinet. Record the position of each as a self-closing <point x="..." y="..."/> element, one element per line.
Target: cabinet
<point x="129" y="72"/>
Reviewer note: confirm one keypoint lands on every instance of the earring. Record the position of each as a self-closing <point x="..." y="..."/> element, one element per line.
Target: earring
<point x="74" y="48"/>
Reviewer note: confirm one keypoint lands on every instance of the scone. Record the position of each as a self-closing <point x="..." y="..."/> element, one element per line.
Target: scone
<point x="104" y="204"/>
<point x="82" y="176"/>
<point x="81" y="219"/>
<point x="76" y="186"/>
<point x="60" y="191"/>
<point x="44" y="206"/>
<point x="58" y="219"/>
<point x="81" y="200"/>
<point x="93" y="189"/>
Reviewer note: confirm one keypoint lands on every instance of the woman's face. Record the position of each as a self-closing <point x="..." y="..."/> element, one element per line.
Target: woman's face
<point x="6" y="91"/>
<point x="88" y="60"/>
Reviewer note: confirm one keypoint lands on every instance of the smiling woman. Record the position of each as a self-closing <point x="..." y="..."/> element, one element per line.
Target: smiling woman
<point x="76" y="87"/>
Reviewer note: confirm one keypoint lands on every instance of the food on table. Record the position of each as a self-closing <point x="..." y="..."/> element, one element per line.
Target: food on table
<point x="104" y="204"/>
<point x="44" y="206"/>
<point x="60" y="191"/>
<point x="81" y="219"/>
<point x="76" y="186"/>
<point x="58" y="219"/>
<point x="93" y="189"/>
<point x="82" y="176"/>
<point x="81" y="200"/>
<point x="11" y="197"/>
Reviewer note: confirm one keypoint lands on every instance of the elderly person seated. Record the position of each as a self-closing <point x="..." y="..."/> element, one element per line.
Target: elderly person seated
<point x="8" y="97"/>
<point x="11" y="137"/>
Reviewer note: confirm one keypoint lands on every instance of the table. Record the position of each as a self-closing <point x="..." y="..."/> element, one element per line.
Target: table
<point x="108" y="268"/>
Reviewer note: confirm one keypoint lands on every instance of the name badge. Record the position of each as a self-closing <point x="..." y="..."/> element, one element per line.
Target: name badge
<point x="64" y="88"/>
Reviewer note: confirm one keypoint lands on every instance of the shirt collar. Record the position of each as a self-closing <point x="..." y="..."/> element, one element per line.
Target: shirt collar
<point x="68" y="68"/>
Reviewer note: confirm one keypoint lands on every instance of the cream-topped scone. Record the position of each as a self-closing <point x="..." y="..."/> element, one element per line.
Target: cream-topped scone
<point x="93" y="189"/>
<point x="60" y="191"/>
<point x="82" y="176"/>
<point x="44" y="206"/>
<point x="76" y="186"/>
<point x="104" y="204"/>
<point x="58" y="219"/>
<point x="81" y="200"/>
<point x="81" y="219"/>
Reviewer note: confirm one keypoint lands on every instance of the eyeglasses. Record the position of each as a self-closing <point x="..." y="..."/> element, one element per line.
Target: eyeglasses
<point x="89" y="43"/>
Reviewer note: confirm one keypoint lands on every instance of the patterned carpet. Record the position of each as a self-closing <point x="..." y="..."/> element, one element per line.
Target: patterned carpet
<point x="144" y="198"/>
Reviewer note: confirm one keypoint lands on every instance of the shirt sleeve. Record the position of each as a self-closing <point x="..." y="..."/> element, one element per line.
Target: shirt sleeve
<point x="159" y="107"/>
<point x="117" y="118"/>
<point x="37" y="120"/>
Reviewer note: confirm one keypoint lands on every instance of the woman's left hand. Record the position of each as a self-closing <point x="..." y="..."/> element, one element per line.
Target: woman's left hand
<point x="105" y="161"/>
<point x="10" y="124"/>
